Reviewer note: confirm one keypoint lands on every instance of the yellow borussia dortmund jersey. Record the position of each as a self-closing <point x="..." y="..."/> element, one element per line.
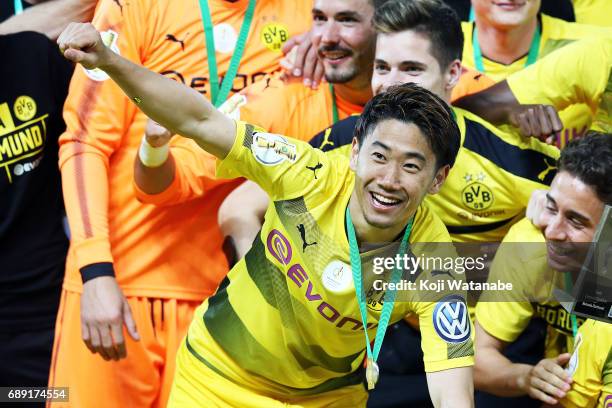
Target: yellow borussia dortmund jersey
<point x="286" y="320"/>
<point x="556" y="33"/>
<point x="591" y="367"/>
<point x="489" y="186"/>
<point x="521" y="259"/>
<point x="594" y="12"/>
<point x="580" y="72"/>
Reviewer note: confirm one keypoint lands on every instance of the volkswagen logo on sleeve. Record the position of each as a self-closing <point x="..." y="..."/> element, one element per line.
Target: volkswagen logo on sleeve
<point x="451" y="319"/>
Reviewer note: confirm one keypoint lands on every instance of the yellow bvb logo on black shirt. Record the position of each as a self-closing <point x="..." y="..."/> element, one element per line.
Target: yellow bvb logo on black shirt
<point x="23" y="141"/>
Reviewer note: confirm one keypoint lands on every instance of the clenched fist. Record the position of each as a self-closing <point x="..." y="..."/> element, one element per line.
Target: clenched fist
<point x="82" y="43"/>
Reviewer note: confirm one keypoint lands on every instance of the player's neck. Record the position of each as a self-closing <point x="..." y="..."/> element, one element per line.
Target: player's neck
<point x="356" y="92"/>
<point x="368" y="235"/>
<point x="505" y="45"/>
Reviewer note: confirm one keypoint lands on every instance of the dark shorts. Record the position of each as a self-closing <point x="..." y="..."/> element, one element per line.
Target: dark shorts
<point x="25" y="358"/>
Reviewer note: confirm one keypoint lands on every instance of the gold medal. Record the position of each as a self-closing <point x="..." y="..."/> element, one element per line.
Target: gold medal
<point x="372" y="372"/>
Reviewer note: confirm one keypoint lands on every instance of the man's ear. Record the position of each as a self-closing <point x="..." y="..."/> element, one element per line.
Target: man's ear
<point x="354" y="154"/>
<point x="439" y="179"/>
<point x="453" y="74"/>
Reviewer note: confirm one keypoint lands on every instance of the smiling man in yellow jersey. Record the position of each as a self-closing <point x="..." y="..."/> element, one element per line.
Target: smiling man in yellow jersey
<point x="591" y="367"/>
<point x="233" y="354"/>
<point x="489" y="187"/>
<point x="537" y="262"/>
<point x="420" y="41"/>
<point x="508" y="35"/>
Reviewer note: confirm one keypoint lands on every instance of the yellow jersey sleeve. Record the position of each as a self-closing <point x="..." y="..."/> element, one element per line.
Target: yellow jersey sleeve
<point x="283" y="167"/>
<point x="447" y="338"/>
<point x="506" y="320"/>
<point x="591" y="367"/>
<point x="503" y="320"/>
<point x="577" y="73"/>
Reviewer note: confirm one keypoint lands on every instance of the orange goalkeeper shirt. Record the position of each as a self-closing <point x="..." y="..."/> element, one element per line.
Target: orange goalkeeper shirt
<point x="291" y="109"/>
<point x="171" y="251"/>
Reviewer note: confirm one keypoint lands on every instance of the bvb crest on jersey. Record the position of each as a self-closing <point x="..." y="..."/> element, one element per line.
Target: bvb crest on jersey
<point x="476" y="194"/>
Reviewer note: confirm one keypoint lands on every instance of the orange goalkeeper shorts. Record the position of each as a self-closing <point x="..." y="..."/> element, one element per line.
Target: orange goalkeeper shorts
<point x="141" y="380"/>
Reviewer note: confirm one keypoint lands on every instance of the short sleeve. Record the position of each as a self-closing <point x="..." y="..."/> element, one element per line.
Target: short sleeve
<point x="447" y="338"/>
<point x="504" y="320"/>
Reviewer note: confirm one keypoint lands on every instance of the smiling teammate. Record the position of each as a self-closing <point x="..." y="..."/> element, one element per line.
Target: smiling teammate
<point x="575" y="202"/>
<point x="489" y="187"/>
<point x="276" y="331"/>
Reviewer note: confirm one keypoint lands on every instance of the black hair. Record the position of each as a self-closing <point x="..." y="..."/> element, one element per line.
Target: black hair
<point x="589" y="158"/>
<point x="433" y="18"/>
<point x="410" y="103"/>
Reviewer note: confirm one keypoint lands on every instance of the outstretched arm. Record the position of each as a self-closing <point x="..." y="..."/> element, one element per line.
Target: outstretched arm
<point x="176" y="107"/>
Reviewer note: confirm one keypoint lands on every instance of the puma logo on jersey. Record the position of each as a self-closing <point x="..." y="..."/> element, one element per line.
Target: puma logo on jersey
<point x="305" y="244"/>
<point x="548" y="169"/>
<point x="172" y="38"/>
<point x="326" y="140"/>
<point x="315" y="168"/>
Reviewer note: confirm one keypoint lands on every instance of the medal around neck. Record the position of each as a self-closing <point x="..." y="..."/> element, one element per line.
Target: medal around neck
<point x="372" y="370"/>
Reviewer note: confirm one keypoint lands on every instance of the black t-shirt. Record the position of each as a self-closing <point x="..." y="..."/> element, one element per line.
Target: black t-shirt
<point x="33" y="86"/>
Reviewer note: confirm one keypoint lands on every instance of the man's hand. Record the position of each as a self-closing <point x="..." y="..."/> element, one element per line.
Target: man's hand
<point x="536" y="208"/>
<point x="156" y="134"/>
<point x="539" y="121"/>
<point x="301" y="60"/>
<point x="547" y="381"/>
<point x="104" y="311"/>
<point x="82" y="43"/>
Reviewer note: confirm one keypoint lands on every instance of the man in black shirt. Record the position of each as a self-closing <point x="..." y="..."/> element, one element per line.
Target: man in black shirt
<point x="33" y="85"/>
